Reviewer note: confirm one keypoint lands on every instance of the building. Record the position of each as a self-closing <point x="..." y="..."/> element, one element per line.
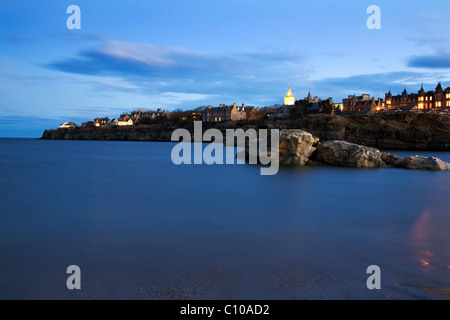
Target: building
<point x="101" y="122"/>
<point x="191" y="116"/>
<point x="362" y="104"/>
<point x="438" y="99"/>
<point x="339" y="107"/>
<point x="142" y="114"/>
<point x="256" y="113"/>
<point x="313" y="102"/>
<point x="316" y="105"/>
<point x="304" y="106"/>
<point x="128" y="122"/>
<point x="67" y="125"/>
<point x="282" y="112"/>
<point x="289" y="99"/>
<point x="224" y="113"/>
<point x="125" y="120"/>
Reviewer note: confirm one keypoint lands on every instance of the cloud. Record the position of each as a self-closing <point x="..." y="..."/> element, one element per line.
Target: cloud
<point x="158" y="70"/>
<point x="436" y="61"/>
<point x="11" y="37"/>
<point x="82" y="36"/>
<point x="150" y="61"/>
<point x="428" y="17"/>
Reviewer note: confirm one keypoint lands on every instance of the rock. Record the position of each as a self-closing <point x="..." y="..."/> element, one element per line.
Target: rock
<point x="426" y="163"/>
<point x="345" y="154"/>
<point x="415" y="162"/>
<point x="296" y="147"/>
<point x="390" y="159"/>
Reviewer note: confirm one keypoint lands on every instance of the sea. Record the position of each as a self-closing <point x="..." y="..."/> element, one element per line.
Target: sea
<point x="140" y="227"/>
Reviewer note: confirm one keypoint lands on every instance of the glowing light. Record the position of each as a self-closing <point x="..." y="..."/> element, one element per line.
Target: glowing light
<point x="289" y="99"/>
<point x="424" y="263"/>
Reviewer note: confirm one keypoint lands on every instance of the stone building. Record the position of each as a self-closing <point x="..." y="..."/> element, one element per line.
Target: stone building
<point x="125" y="120"/>
<point x="101" y="122"/>
<point x="141" y="114"/>
<point x="256" y="113"/>
<point x="191" y="115"/>
<point x="362" y="103"/>
<point x="224" y="113"/>
<point x="439" y="99"/>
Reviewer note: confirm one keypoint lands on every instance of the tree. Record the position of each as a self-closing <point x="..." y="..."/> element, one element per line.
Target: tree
<point x="326" y="106"/>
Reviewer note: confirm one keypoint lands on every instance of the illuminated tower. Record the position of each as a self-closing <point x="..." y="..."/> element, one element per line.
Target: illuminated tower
<point x="289" y="99"/>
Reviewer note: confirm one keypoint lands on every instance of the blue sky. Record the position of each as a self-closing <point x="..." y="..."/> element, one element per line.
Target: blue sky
<point x="184" y="54"/>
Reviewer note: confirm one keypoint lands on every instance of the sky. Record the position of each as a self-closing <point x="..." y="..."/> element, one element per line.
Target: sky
<point x="179" y="54"/>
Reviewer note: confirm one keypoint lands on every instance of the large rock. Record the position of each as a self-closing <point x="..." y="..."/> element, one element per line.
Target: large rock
<point x="296" y="147"/>
<point x="415" y="162"/>
<point x="345" y="154"/>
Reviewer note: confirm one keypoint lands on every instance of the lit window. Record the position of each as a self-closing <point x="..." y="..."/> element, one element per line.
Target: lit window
<point x="431" y="98"/>
<point x="438" y="104"/>
<point x="420" y="105"/>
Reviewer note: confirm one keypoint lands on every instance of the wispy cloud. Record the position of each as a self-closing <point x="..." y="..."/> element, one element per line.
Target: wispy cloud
<point x="433" y="61"/>
<point x="12" y="37"/>
<point x="148" y="60"/>
<point x="160" y="70"/>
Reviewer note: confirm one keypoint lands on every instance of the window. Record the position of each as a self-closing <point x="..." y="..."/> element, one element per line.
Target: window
<point x="447" y="95"/>
<point x="420" y="105"/>
<point x="448" y="103"/>
<point x="438" y="104"/>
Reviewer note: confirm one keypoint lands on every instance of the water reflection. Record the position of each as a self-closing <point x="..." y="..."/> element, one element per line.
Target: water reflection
<point x="420" y="238"/>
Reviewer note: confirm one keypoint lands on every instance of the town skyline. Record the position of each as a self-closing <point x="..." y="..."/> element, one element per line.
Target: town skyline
<point x="179" y="56"/>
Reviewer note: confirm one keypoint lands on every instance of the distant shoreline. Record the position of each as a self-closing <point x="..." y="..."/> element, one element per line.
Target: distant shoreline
<point x="403" y="131"/>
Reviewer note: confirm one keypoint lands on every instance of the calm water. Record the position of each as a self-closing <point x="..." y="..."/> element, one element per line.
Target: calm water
<point x="140" y="227"/>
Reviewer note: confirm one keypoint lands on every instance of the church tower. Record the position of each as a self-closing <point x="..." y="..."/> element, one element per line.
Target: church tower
<point x="289" y="99"/>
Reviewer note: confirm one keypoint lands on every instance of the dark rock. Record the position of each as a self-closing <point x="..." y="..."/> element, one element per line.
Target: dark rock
<point x="345" y="154"/>
<point x="415" y="162"/>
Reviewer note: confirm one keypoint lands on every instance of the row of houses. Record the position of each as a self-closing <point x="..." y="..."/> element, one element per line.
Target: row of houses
<point x="360" y="104"/>
<point x="437" y="100"/>
<point x="125" y="119"/>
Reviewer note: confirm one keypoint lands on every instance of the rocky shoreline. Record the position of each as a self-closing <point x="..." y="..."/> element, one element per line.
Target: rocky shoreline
<point x="403" y="131"/>
<point x="300" y="148"/>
